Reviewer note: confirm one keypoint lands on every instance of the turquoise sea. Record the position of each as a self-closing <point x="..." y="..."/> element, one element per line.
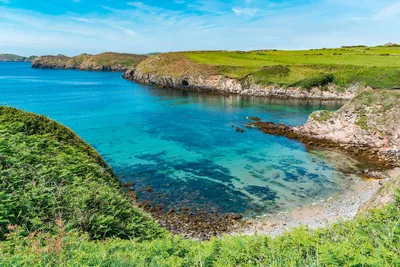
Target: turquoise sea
<point x="184" y="144"/>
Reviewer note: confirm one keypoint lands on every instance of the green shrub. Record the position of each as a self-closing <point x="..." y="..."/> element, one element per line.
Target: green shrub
<point x="315" y="81"/>
<point x="370" y="240"/>
<point x="48" y="173"/>
<point x="322" y="115"/>
<point x="267" y="74"/>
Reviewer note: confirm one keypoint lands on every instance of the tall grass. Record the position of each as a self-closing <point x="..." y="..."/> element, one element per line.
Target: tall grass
<point x="373" y="240"/>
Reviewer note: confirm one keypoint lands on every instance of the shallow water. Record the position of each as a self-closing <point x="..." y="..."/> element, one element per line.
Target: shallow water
<point x="182" y="144"/>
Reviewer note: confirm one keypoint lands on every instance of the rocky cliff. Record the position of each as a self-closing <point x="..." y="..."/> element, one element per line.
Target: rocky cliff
<point x="371" y="119"/>
<point x="367" y="125"/>
<point x="15" y="58"/>
<point x="100" y="62"/>
<point x="175" y="70"/>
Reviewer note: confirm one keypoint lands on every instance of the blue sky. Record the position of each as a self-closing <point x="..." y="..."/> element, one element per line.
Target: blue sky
<point x="91" y="26"/>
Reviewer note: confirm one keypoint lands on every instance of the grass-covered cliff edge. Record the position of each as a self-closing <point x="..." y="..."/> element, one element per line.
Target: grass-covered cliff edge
<point x="15" y="58"/>
<point x="319" y="73"/>
<point x="100" y="62"/>
<point x="61" y="205"/>
<point x="49" y="175"/>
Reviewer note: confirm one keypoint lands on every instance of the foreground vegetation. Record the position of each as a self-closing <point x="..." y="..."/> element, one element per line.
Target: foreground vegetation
<point x="373" y="240"/>
<point x="48" y="174"/>
<point x="60" y="205"/>
<point x="378" y="67"/>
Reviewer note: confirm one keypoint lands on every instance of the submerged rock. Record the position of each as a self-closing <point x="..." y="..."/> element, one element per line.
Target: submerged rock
<point x="239" y="130"/>
<point x="130" y="184"/>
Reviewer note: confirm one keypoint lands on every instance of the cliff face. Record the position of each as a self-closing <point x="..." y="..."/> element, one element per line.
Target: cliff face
<point x="224" y="85"/>
<point x="174" y="70"/>
<point x="15" y="58"/>
<point x="367" y="126"/>
<point x="100" y="62"/>
<point x="371" y="119"/>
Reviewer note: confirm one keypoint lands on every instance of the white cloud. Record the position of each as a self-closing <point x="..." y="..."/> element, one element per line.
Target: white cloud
<point x="245" y="12"/>
<point x="203" y="24"/>
<point x="127" y="31"/>
<point x="389" y="11"/>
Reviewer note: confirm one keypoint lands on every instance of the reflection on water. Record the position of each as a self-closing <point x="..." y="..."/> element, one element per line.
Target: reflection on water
<point x="183" y="144"/>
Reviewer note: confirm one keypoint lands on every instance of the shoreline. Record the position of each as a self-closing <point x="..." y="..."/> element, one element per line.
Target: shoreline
<point x="313" y="216"/>
<point x="341" y="207"/>
<point x="218" y="84"/>
<point x="361" y="197"/>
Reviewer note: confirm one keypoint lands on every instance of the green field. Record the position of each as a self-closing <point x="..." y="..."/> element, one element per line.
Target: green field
<point x="378" y="67"/>
<point x="61" y="205"/>
<point x="356" y="56"/>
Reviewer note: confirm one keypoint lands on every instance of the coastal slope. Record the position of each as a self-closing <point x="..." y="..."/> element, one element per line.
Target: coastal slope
<point x="15" y="58"/>
<point x="320" y="73"/>
<point x="49" y="177"/>
<point x="101" y="62"/>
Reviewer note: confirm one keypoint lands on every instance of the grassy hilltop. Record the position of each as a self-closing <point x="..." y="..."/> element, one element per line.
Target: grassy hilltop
<point x="378" y="67"/>
<point x="60" y="205"/>
<point x="101" y="62"/>
<point x="15" y="58"/>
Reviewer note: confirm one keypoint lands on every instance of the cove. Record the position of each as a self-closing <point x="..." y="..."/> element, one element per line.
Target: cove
<point x="184" y="145"/>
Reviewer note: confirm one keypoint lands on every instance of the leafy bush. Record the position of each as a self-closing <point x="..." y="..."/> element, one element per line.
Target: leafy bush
<point x="48" y="173"/>
<point x="269" y="73"/>
<point x="315" y="81"/>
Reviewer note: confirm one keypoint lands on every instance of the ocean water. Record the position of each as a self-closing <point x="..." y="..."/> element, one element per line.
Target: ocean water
<point x="183" y="144"/>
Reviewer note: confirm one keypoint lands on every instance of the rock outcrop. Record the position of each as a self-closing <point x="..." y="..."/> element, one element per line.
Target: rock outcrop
<point x="101" y="62"/>
<point x="224" y="85"/>
<point x="174" y="70"/>
<point x="15" y="58"/>
<point x="367" y="125"/>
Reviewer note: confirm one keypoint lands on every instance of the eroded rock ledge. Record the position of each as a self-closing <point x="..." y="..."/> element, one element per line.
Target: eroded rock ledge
<point x="367" y="126"/>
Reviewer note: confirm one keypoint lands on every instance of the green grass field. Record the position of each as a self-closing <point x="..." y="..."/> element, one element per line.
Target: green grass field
<point x="378" y="67"/>
<point x="356" y="56"/>
<point x="60" y="205"/>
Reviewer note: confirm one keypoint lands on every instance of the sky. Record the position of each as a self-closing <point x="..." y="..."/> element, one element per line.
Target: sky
<point x="71" y="27"/>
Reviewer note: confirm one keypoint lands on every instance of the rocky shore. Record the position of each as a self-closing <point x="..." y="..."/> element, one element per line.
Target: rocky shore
<point x="223" y="85"/>
<point x="367" y="126"/>
<point x="15" y="58"/>
<point x="194" y="224"/>
<point x="363" y="196"/>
